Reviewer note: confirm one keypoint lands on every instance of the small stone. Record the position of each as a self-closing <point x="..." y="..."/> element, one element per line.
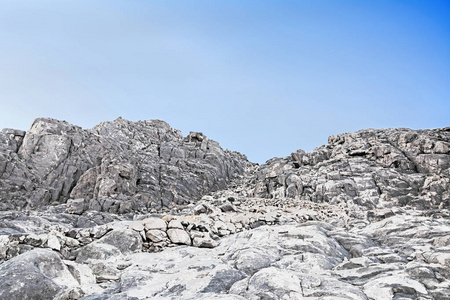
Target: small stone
<point x="199" y="209"/>
<point x="123" y="266"/>
<point x="82" y="273"/>
<point x="207" y="198"/>
<point x="227" y="207"/>
<point x="142" y="234"/>
<point x="168" y="218"/>
<point x="219" y="225"/>
<point x="156" y="235"/>
<point x="223" y="232"/>
<point x="175" y="224"/>
<point x="73" y="293"/>
<point x="76" y="206"/>
<point x="72" y="233"/>
<point x="204" y="242"/>
<point x="195" y="233"/>
<point x="231" y="227"/>
<point x="35" y="240"/>
<point x="256" y="224"/>
<point x="68" y="241"/>
<point x="442" y="241"/>
<point x="154" y="224"/>
<point x="269" y="219"/>
<point x="127" y="241"/>
<point x="244" y="220"/>
<point x="136" y="226"/>
<point x="106" y="277"/>
<point x="190" y="219"/>
<point x="179" y="236"/>
<point x="53" y="243"/>
<point x="85" y="240"/>
<point x="98" y="231"/>
<point x="4" y="241"/>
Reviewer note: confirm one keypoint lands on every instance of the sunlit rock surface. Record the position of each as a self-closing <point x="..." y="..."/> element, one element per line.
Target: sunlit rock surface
<point x="134" y="210"/>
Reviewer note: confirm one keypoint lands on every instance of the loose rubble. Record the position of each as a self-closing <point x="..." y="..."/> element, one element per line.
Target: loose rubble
<point x="364" y="217"/>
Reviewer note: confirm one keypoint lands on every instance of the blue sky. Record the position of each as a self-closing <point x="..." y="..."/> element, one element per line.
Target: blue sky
<point x="260" y="77"/>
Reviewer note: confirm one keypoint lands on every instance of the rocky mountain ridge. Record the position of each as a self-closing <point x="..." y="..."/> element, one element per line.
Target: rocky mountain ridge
<point x="117" y="166"/>
<point x="134" y="210"/>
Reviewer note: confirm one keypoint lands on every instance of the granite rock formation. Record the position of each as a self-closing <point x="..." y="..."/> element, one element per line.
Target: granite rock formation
<point x="117" y="166"/>
<point x="372" y="168"/>
<point x="134" y="210"/>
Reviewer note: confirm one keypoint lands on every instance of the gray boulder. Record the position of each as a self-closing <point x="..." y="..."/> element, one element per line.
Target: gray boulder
<point x="127" y="241"/>
<point x="114" y="243"/>
<point x="37" y="274"/>
<point x="179" y="236"/>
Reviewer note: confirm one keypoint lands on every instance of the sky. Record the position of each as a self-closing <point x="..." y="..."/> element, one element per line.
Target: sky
<point x="264" y="78"/>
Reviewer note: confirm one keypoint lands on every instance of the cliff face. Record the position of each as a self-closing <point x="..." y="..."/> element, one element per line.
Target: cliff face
<point x="134" y="210"/>
<point x="117" y="166"/>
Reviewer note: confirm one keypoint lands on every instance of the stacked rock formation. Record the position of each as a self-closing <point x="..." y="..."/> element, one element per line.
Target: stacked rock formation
<point x="134" y="210"/>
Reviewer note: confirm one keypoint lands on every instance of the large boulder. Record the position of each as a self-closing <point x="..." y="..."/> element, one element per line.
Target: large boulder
<point x="114" y="243"/>
<point x="37" y="274"/>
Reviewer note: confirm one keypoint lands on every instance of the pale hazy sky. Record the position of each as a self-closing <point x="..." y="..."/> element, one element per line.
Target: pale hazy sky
<point x="260" y="77"/>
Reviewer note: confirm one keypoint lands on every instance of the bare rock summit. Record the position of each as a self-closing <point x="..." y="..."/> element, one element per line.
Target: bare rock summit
<point x="117" y="166"/>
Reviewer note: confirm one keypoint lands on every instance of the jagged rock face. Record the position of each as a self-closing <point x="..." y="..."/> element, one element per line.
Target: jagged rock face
<point x="117" y="166"/>
<point x="318" y="225"/>
<point x="373" y="168"/>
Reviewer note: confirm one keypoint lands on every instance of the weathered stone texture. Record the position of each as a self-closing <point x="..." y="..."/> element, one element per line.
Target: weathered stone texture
<point x="373" y="168"/>
<point x="117" y="166"/>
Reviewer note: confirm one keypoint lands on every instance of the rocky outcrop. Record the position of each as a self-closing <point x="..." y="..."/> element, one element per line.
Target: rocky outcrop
<point x="139" y="212"/>
<point x="372" y="168"/>
<point x="117" y="166"/>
